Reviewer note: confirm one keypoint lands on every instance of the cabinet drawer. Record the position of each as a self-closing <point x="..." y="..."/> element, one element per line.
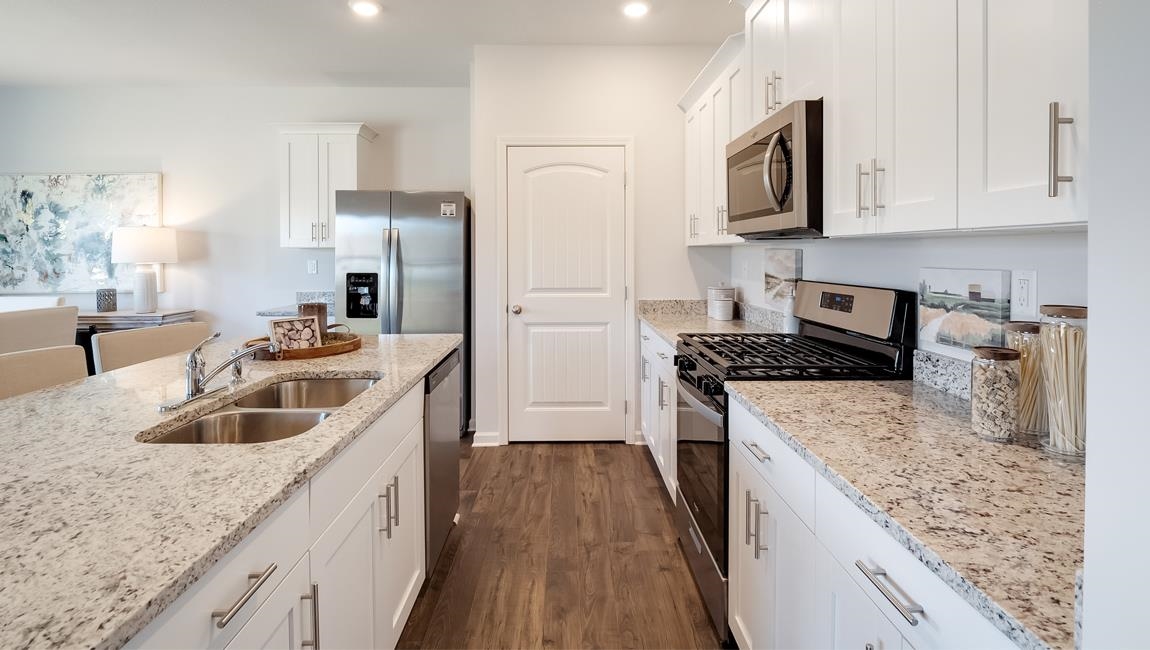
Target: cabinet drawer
<point x="663" y="351"/>
<point x="336" y="484"/>
<point x="946" y="620"/>
<point x="280" y="541"/>
<point x="791" y="476"/>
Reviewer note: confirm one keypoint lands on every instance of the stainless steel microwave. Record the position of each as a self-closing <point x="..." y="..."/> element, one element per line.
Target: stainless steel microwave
<point x="775" y="175"/>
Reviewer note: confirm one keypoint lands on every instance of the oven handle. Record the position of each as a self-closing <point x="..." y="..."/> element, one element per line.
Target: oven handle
<point x="709" y="414"/>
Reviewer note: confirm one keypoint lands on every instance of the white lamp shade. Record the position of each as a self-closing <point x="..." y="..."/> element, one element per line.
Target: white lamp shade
<point x="143" y="245"/>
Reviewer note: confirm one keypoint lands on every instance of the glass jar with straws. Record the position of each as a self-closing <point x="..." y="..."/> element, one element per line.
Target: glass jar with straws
<point x="1063" y="335"/>
<point x="1032" y="416"/>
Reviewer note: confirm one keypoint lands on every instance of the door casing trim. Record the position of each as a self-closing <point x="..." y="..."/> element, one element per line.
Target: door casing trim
<point x="630" y="327"/>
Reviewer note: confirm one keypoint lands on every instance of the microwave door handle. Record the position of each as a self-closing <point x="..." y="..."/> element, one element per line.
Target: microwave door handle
<point x="768" y="183"/>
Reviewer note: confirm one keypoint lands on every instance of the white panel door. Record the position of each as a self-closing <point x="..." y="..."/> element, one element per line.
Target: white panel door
<point x="852" y="118"/>
<point x="916" y="189"/>
<point x="1014" y="59"/>
<point x="401" y="557"/>
<point x="286" y="620"/>
<point x="299" y="190"/>
<point x="566" y="234"/>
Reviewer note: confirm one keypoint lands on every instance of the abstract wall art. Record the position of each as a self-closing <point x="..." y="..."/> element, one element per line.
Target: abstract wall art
<point x="56" y="229"/>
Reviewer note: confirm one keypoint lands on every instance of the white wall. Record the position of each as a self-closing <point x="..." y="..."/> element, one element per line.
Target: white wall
<point x="587" y="91"/>
<point x="1059" y="259"/>
<point x="1117" y="511"/>
<point x="216" y="147"/>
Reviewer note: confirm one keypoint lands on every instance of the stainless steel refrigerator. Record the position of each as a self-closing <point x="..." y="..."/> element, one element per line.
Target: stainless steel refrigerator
<point x="403" y="266"/>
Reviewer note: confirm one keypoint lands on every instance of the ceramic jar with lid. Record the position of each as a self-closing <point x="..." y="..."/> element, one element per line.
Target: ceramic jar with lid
<point x="995" y="376"/>
<point x="1063" y="336"/>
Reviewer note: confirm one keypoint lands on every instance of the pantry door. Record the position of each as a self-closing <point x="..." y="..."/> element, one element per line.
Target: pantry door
<point x="566" y="259"/>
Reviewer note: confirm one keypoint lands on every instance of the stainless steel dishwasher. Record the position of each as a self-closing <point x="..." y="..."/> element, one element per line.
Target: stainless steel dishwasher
<point x="442" y="427"/>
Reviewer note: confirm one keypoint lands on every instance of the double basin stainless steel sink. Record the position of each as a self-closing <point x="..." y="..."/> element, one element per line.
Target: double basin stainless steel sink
<point x="276" y="412"/>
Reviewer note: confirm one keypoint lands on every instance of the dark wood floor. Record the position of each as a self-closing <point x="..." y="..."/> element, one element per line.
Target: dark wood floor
<point x="560" y="546"/>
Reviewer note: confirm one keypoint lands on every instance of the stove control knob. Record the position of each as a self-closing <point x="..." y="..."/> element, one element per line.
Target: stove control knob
<point x="684" y="363"/>
<point x="711" y="387"/>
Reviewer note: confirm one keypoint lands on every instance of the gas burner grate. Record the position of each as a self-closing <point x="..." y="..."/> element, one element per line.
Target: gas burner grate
<point x="782" y="356"/>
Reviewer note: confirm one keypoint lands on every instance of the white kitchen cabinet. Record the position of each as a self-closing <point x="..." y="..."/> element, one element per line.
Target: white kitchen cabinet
<point x="789" y="44"/>
<point x="286" y="621"/>
<point x="1015" y="58"/>
<point x="893" y="122"/>
<point x="716" y="112"/>
<point x="854" y="621"/>
<point x="659" y="406"/>
<point x="316" y="160"/>
<point x="402" y="565"/>
<point x="774" y="598"/>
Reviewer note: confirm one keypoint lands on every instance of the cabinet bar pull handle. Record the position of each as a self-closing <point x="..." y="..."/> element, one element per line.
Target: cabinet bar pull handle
<point x="747" y="519"/>
<point x="908" y="611"/>
<point x="759" y="545"/>
<point x="313" y="231"/>
<point x="758" y="452"/>
<point x="768" y="103"/>
<point x="875" y="169"/>
<point x="661" y="404"/>
<point x="386" y="496"/>
<point x="777" y="85"/>
<point x="859" y="207"/>
<point x="323" y="232"/>
<point x="1054" y="179"/>
<point x="314" y="598"/>
<point x="226" y="615"/>
<point x="395" y="498"/>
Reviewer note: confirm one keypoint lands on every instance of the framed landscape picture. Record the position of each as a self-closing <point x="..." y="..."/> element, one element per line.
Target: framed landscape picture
<point x="960" y="309"/>
<point x="56" y="229"/>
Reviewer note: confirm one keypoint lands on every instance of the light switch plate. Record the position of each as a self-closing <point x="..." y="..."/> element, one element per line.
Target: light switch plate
<point x="1024" y="295"/>
<point x="312" y="267"/>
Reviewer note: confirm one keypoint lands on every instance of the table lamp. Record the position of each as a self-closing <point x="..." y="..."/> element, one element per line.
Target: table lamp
<point x="144" y="246"/>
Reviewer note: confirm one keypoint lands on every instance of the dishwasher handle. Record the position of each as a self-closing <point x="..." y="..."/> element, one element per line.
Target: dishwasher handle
<point x="442" y="371"/>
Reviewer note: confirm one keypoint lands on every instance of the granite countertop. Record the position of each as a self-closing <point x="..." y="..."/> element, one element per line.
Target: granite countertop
<point x="1001" y="524"/>
<point x="101" y="532"/>
<point x="670" y="326"/>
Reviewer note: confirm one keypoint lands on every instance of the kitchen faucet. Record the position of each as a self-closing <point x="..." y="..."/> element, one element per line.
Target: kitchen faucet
<point x="196" y="378"/>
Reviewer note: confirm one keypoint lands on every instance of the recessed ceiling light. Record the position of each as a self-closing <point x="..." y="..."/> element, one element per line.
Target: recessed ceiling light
<point x="365" y="8"/>
<point x="636" y="9"/>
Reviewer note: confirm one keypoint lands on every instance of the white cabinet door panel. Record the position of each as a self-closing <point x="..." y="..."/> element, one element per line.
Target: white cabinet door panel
<point x="1014" y="59"/>
<point x="339" y="170"/>
<point x="299" y="190"/>
<point x="917" y="116"/>
<point x="286" y="620"/>
<point x="851" y="112"/>
<point x="401" y="550"/>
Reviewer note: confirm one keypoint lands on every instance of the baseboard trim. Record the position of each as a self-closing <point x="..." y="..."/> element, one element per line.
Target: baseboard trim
<point x="486" y="439"/>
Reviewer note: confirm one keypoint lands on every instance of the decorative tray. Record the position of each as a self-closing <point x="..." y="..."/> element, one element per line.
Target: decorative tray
<point x="333" y="343"/>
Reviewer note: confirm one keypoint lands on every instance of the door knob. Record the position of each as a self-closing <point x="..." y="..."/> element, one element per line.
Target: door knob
<point x="516" y="309"/>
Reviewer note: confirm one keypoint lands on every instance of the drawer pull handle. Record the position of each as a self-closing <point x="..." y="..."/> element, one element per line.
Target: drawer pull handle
<point x="395" y="499"/>
<point x="386" y="496"/>
<point x="226" y="615"/>
<point x="759" y="545"/>
<point x="314" y="598"/>
<point x="908" y="611"/>
<point x="747" y="519"/>
<point x="755" y="449"/>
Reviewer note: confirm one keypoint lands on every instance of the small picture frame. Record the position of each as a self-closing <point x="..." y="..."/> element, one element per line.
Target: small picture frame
<point x="296" y="333"/>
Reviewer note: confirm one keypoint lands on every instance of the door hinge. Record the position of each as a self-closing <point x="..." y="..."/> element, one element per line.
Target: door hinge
<point x="626" y="407"/>
<point x="626" y="292"/>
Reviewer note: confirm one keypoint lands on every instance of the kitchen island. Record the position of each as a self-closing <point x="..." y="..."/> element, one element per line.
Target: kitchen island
<point x="102" y="532"/>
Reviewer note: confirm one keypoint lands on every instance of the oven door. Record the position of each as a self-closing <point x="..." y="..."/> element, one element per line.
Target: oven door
<point x="701" y="459"/>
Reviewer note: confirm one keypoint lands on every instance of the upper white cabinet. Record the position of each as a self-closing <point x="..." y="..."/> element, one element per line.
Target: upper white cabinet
<point x="315" y="161"/>
<point x="788" y="52"/>
<point x="893" y="133"/>
<point x="716" y="112"/>
<point x="1015" y="59"/>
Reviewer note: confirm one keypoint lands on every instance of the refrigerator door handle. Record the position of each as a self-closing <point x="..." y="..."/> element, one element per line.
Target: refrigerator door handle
<point x="385" y="301"/>
<point x="395" y="283"/>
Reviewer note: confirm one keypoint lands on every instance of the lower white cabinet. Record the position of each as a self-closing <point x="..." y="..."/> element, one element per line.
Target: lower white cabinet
<point x="287" y="619"/>
<point x="353" y="587"/>
<point x="659" y="405"/>
<point x="840" y="581"/>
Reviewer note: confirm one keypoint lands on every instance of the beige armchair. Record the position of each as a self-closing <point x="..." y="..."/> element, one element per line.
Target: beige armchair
<point x="29" y="370"/>
<point x="31" y="329"/>
<point x="112" y="350"/>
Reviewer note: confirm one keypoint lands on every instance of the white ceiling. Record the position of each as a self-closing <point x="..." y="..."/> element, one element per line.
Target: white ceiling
<point x="316" y="42"/>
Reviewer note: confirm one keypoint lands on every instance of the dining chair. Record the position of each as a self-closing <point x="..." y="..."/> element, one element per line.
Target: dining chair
<point x="29" y="370"/>
<point x="31" y="329"/>
<point x="112" y="350"/>
<point x="21" y="303"/>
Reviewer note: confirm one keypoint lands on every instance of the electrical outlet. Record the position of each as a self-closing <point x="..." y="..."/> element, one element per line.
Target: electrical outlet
<point x="1024" y="295"/>
<point x="312" y="267"/>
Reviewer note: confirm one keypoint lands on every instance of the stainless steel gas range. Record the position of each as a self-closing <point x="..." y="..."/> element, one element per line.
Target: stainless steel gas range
<point x="845" y="332"/>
